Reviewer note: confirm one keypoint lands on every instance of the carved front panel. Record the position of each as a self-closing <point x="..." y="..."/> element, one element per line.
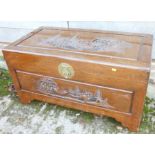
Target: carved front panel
<point x="50" y="87"/>
<point x="83" y="93"/>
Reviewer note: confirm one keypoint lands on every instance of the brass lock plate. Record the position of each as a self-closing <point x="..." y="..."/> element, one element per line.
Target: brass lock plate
<point x="66" y="70"/>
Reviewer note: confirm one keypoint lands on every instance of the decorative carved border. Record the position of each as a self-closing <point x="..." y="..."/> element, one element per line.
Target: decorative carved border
<point x="50" y="87"/>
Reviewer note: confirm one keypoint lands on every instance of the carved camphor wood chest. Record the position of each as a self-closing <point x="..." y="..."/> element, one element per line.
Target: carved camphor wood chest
<point x="101" y="72"/>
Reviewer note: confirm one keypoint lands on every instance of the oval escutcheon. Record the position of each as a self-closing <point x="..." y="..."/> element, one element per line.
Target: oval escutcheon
<point x="66" y="70"/>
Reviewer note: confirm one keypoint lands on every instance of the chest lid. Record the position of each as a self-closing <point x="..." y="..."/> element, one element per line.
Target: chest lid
<point x="115" y="48"/>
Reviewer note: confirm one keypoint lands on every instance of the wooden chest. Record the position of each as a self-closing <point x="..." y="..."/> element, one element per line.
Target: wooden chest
<point x="101" y="72"/>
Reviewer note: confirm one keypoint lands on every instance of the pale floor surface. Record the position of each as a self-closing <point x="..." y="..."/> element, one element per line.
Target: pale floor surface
<point x="39" y="117"/>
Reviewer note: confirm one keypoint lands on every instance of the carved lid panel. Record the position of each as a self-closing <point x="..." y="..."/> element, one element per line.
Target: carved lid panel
<point x="103" y="44"/>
